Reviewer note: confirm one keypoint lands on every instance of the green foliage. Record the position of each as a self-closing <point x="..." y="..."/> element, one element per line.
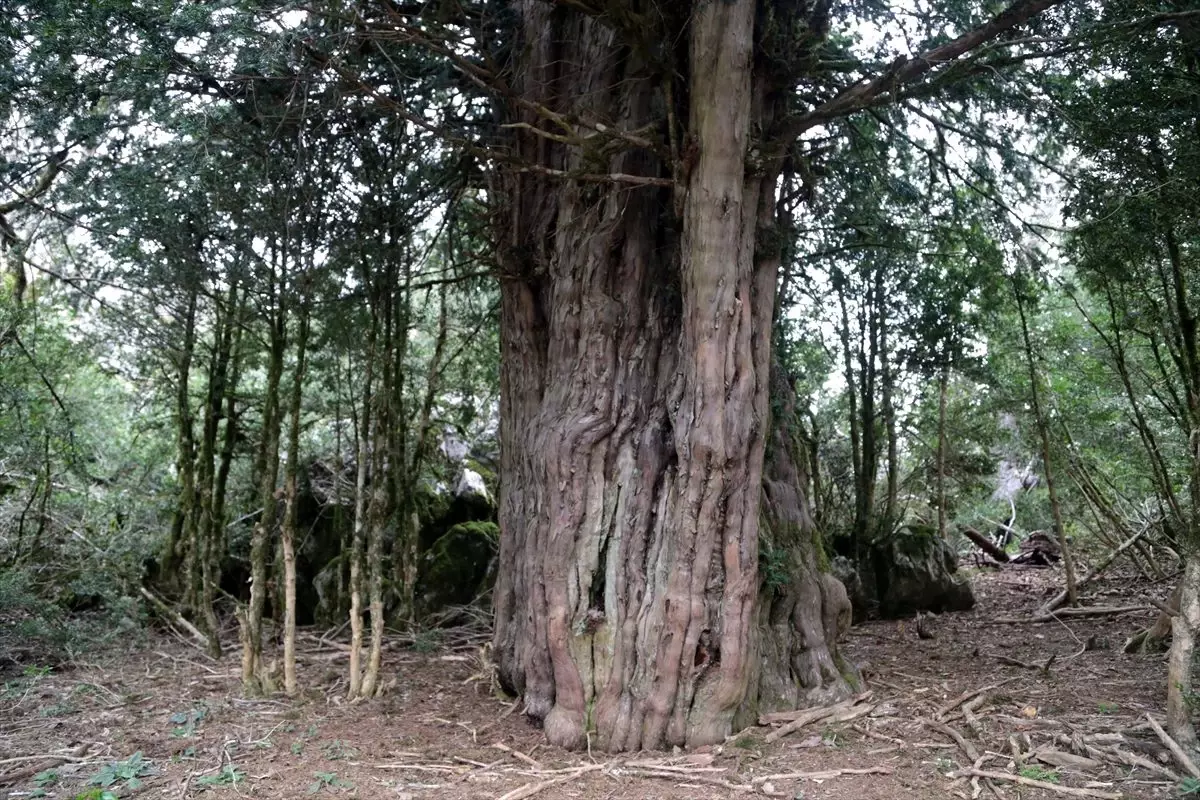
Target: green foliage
<point x="1189" y="787"/>
<point x="328" y="781"/>
<point x="774" y="567"/>
<point x="337" y="750"/>
<point x="229" y="775"/>
<point x="185" y="722"/>
<point x="1038" y="773"/>
<point x="96" y="794"/>
<point x="47" y="777"/>
<point x="127" y="773"/>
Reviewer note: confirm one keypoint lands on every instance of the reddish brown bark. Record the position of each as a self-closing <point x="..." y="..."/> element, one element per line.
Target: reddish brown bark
<point x="635" y="332"/>
<point x="636" y="356"/>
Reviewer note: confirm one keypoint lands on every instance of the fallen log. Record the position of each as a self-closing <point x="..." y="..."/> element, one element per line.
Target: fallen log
<point x="986" y="545"/>
<point x="1072" y="613"/>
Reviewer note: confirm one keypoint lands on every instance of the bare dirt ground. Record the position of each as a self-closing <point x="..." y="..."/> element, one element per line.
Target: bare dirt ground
<point x="439" y="733"/>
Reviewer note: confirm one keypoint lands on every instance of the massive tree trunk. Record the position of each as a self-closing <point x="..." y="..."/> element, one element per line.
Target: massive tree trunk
<point x="634" y="387"/>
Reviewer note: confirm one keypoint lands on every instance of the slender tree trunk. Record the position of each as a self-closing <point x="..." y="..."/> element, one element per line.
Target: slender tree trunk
<point x="182" y="545"/>
<point x="345" y="532"/>
<point x="856" y="436"/>
<point x="268" y="462"/>
<point x="1184" y="625"/>
<point x="407" y="547"/>
<point x="892" y="496"/>
<point x="868" y="359"/>
<point x="206" y="524"/>
<point x="379" y="514"/>
<point x="943" y="381"/>
<point x="379" y="507"/>
<point x="404" y="474"/>
<point x="291" y="508"/>
<point x="229" y="439"/>
<point x="1047" y="465"/>
<point x="361" y="501"/>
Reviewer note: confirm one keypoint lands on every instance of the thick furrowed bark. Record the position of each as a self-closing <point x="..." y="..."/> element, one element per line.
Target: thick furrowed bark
<point x="722" y="413"/>
<point x="635" y="402"/>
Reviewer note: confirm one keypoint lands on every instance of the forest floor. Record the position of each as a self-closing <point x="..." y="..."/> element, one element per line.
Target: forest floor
<point x="438" y="732"/>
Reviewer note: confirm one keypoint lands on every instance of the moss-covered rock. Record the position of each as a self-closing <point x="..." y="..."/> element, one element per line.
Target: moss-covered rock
<point x="458" y="567"/>
<point x="915" y="570"/>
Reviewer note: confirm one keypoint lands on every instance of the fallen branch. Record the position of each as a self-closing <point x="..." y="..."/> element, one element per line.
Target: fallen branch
<point x="530" y="789"/>
<point x="829" y="714"/>
<point x="517" y="754"/>
<point x="1180" y="754"/>
<point x="968" y="749"/>
<point x="941" y="713"/>
<point x="1064" y="760"/>
<point x="823" y="774"/>
<point x="173" y="617"/>
<point x="1061" y="597"/>
<point x="43" y="762"/>
<point x="1071" y="613"/>
<point x="1161" y="606"/>
<point x="1021" y="779"/>
<point x="688" y="778"/>
<point x="1116" y="755"/>
<point x="801" y="713"/>
<point x="972" y="721"/>
<point x="48" y="757"/>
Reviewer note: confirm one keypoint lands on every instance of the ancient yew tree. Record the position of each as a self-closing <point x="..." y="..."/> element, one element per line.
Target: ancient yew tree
<point x="639" y="262"/>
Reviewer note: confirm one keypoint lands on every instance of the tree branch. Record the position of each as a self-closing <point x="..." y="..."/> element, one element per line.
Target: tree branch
<point x="906" y="71"/>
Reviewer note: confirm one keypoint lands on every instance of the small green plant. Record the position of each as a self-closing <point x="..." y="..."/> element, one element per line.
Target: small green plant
<point x="47" y="777"/>
<point x="128" y="772"/>
<point x="773" y="567"/>
<point x="96" y="794"/>
<point x="1034" y="772"/>
<point x="337" y="750"/>
<point x="1189" y="787"/>
<point x="185" y="722"/>
<point x="228" y="776"/>
<point x="297" y="747"/>
<point x="328" y="780"/>
<point x="187" y="752"/>
<point x="1107" y="708"/>
<point x="746" y="741"/>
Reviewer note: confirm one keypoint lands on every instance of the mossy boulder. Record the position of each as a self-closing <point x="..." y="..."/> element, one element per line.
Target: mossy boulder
<point x="459" y="567"/>
<point x="914" y="570"/>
